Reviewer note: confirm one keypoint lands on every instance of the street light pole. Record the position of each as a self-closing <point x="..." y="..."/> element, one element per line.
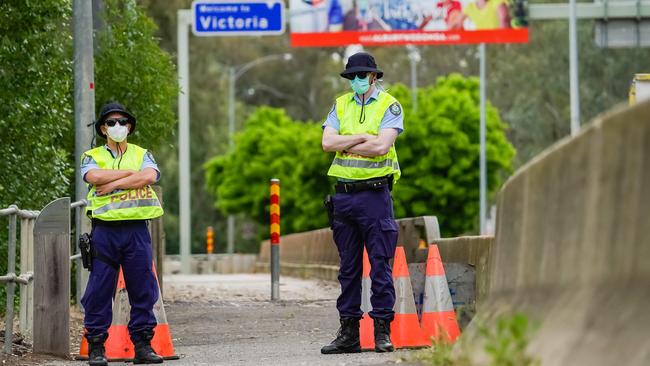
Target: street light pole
<point x="185" y="215"/>
<point x="482" y="147"/>
<point x="235" y="73"/>
<point x="84" y="112"/>
<point x="573" y="70"/>
<point x="415" y="58"/>
<point x="232" y="79"/>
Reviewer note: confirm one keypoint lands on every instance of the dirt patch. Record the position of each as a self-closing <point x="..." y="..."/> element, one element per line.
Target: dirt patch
<point x="22" y="347"/>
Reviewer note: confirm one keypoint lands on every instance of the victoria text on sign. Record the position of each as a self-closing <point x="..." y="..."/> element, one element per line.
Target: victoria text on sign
<point x="225" y="18"/>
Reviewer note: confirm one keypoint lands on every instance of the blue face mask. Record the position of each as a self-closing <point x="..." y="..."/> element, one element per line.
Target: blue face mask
<point x="360" y="86"/>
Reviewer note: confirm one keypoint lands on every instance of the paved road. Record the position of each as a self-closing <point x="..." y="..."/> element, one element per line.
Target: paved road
<point x="228" y="320"/>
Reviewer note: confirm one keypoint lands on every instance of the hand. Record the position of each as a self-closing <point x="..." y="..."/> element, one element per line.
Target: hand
<point x="368" y="137"/>
<point x="105" y="189"/>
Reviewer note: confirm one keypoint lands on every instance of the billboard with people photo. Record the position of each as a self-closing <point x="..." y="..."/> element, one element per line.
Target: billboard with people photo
<point x="322" y="23"/>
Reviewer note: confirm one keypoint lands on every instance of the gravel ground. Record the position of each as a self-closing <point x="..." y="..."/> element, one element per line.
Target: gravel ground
<point x="229" y="320"/>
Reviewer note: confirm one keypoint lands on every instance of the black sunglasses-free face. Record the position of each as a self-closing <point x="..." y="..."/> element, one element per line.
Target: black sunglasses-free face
<point x="360" y="74"/>
<point x="112" y="121"/>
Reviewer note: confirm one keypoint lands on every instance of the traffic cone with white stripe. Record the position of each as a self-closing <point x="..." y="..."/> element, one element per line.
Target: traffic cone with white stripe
<point x="118" y="345"/>
<point x="405" y="328"/>
<point x="366" y="325"/>
<point x="438" y="316"/>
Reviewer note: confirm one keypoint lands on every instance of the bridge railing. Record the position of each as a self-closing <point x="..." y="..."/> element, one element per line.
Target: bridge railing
<point x="27" y="218"/>
<point x="57" y="222"/>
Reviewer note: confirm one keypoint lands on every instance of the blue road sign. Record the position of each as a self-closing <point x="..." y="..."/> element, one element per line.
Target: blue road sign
<point x="237" y="18"/>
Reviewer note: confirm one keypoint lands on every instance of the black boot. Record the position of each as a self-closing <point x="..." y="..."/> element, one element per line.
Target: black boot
<point x="382" y="336"/>
<point x="143" y="351"/>
<point x="96" y="351"/>
<point x="347" y="338"/>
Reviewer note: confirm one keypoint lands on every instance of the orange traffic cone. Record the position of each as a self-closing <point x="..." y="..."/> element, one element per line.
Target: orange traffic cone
<point x="366" y="325"/>
<point x="438" y="316"/>
<point x="118" y="345"/>
<point x="405" y="328"/>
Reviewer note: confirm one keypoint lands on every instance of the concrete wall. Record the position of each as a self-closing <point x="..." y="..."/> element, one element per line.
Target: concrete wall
<point x="314" y="254"/>
<point x="572" y="245"/>
<point x="213" y="263"/>
<point x="472" y="251"/>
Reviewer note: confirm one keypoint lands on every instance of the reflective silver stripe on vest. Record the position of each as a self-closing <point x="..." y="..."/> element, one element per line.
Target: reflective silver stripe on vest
<point x="366" y="164"/>
<point x="126" y="204"/>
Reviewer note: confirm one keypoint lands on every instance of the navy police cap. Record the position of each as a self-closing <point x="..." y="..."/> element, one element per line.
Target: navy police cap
<point x="359" y="62"/>
<point x="112" y="107"/>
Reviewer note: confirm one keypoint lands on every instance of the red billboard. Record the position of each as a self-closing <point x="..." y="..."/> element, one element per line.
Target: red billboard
<point x="329" y="23"/>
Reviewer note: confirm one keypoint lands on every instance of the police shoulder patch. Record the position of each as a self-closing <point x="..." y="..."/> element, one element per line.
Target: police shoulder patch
<point x="150" y="156"/>
<point x="86" y="160"/>
<point x="395" y="109"/>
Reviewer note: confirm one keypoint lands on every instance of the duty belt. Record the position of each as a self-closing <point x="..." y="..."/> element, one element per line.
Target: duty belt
<point x="364" y="185"/>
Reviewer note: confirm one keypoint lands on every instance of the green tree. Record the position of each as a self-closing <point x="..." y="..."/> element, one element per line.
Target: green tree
<point x="131" y="68"/>
<point x="438" y="155"/>
<point x="36" y="118"/>
<point x="35" y="113"/>
<point x="273" y="146"/>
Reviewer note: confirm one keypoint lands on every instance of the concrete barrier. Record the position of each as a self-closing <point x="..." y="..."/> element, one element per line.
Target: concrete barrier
<point x="313" y="253"/>
<point x="458" y="254"/>
<point x="213" y="263"/>
<point x="572" y="246"/>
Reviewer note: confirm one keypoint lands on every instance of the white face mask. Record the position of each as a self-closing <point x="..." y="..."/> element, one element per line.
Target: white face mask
<point x="118" y="132"/>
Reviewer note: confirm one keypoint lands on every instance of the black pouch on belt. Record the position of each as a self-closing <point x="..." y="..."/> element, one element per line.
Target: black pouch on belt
<point x="89" y="252"/>
<point x="329" y="206"/>
<point x="85" y="247"/>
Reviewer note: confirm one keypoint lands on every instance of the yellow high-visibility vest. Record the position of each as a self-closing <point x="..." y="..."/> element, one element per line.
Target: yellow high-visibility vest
<point x="357" y="167"/>
<point x="131" y="204"/>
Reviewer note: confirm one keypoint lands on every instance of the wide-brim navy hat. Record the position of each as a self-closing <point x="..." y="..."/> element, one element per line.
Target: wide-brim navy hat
<point x="112" y="107"/>
<point x="359" y="62"/>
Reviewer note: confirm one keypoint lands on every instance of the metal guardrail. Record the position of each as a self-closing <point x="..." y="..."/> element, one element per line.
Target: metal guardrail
<point x="28" y="217"/>
<point x="11" y="279"/>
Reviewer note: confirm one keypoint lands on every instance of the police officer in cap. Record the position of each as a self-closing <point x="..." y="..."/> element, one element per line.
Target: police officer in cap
<point x="121" y="202"/>
<point x="362" y="128"/>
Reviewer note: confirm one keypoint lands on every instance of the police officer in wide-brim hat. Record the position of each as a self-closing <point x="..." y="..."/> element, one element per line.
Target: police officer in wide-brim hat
<point x="360" y="62"/>
<point x="113" y="109"/>
<point x="121" y="201"/>
<point x="361" y="128"/>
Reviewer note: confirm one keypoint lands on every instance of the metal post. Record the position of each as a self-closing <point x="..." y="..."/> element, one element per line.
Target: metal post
<point x="11" y="286"/>
<point x="275" y="239"/>
<point x="81" y="272"/>
<point x="414" y="85"/>
<point x="26" y="265"/>
<point x="414" y="58"/>
<point x="482" y="157"/>
<point x="573" y="69"/>
<point x="84" y="108"/>
<point x="232" y="79"/>
<point x="184" y="20"/>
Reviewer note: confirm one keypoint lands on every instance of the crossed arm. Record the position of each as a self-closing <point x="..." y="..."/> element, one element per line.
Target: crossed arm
<point x="364" y="144"/>
<point x="106" y="181"/>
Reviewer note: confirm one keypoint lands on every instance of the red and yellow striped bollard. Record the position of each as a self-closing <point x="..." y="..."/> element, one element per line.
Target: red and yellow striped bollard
<point x="209" y="240"/>
<point x="275" y="238"/>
